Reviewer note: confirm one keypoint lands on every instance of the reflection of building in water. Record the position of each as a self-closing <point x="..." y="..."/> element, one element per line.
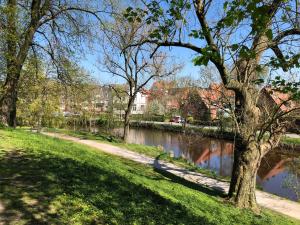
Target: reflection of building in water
<point x="272" y="165"/>
<point x="217" y="155"/>
<point x="209" y="153"/>
<point x="214" y="148"/>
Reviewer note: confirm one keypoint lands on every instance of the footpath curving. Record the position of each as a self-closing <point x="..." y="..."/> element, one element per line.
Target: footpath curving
<point x="269" y="201"/>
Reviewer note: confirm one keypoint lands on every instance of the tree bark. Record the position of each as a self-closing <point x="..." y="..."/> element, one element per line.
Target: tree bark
<point x="126" y="118"/>
<point x="247" y="160"/>
<point x="8" y="101"/>
<point x="248" y="151"/>
<point x="126" y="125"/>
<point x="16" y="54"/>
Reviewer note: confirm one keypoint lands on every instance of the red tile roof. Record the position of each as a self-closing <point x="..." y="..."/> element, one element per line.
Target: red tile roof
<point x="281" y="99"/>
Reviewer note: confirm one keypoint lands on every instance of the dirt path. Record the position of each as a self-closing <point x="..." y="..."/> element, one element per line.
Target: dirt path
<point x="264" y="199"/>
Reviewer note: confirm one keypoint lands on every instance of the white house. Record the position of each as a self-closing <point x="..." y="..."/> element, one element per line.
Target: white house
<point x="140" y="102"/>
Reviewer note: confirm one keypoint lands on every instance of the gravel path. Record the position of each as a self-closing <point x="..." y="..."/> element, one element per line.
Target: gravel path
<point x="264" y="199"/>
<point x="292" y="135"/>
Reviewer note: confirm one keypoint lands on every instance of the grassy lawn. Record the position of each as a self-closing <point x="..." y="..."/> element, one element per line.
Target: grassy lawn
<point x="152" y="151"/>
<point x="289" y="140"/>
<point x="50" y="181"/>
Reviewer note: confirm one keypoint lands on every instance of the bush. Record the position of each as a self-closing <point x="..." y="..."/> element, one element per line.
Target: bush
<point x="102" y="122"/>
<point x="206" y="123"/>
<point x="145" y="117"/>
<point x="190" y="119"/>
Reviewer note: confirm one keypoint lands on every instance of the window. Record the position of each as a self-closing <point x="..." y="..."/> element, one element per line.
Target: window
<point x="134" y="107"/>
<point x="142" y="107"/>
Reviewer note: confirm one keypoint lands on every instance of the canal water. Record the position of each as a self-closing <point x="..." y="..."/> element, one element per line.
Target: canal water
<point x="279" y="172"/>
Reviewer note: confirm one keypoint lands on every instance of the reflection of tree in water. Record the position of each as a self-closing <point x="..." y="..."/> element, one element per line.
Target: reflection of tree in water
<point x="279" y="171"/>
<point x="293" y="179"/>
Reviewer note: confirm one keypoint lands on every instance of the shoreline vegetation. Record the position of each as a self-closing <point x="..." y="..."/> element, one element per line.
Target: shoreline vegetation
<point x="205" y="131"/>
<point x="47" y="180"/>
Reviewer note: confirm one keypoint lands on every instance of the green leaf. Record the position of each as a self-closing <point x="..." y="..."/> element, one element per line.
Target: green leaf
<point x="234" y="47"/>
<point x="269" y="34"/>
<point x="225" y="5"/>
<point x="200" y="60"/>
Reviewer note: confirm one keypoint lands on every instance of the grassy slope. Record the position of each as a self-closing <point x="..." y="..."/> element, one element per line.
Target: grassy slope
<point x="59" y="182"/>
<point x="152" y="151"/>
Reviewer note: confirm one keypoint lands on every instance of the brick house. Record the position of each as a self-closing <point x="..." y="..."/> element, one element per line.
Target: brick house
<point x="201" y="103"/>
<point x="272" y="100"/>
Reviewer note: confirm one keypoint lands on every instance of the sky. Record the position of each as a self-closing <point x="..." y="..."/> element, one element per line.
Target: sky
<point x="91" y="61"/>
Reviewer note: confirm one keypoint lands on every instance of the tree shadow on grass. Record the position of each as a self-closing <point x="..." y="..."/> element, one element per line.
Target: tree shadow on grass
<point x="45" y="189"/>
<point x="164" y="171"/>
<point x="191" y="185"/>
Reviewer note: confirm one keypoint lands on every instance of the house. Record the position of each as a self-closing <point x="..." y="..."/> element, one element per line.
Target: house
<point x="161" y="89"/>
<point x="102" y="98"/>
<point x="140" y="102"/>
<point x="276" y="100"/>
<point x="272" y="101"/>
<point x="201" y="103"/>
<point x="120" y="100"/>
<point x="216" y="100"/>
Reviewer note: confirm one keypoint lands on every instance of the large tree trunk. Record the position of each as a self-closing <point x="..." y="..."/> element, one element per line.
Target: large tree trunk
<point x="248" y="151"/>
<point x="16" y="54"/>
<point x="8" y="101"/>
<point x="247" y="160"/>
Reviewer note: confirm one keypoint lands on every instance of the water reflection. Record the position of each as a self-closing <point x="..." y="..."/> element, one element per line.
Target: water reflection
<point x="217" y="155"/>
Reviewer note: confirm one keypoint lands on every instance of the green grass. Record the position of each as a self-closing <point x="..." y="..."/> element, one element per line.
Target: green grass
<point x="49" y="181"/>
<point x="152" y="151"/>
<point x="291" y="141"/>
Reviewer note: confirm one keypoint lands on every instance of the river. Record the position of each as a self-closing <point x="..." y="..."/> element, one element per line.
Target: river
<point x="279" y="172"/>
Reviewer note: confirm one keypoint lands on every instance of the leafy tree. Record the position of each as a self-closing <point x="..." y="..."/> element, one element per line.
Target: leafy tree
<point x="155" y="107"/>
<point x="239" y="38"/>
<point x="53" y="29"/>
<point x="39" y="96"/>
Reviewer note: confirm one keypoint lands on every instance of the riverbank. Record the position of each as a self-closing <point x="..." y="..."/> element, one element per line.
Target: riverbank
<point x="152" y="151"/>
<point x="288" y="141"/>
<point x="47" y="180"/>
<point x="264" y="199"/>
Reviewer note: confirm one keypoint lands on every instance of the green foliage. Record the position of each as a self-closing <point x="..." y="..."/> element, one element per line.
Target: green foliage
<point x="39" y="97"/>
<point x="207" y="55"/>
<point x="148" y="117"/>
<point x="255" y="15"/>
<point x="293" y="88"/>
<point x="201" y="60"/>
<point x="190" y="119"/>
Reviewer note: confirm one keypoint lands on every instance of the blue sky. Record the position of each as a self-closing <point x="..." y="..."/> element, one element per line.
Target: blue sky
<point x="91" y="63"/>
